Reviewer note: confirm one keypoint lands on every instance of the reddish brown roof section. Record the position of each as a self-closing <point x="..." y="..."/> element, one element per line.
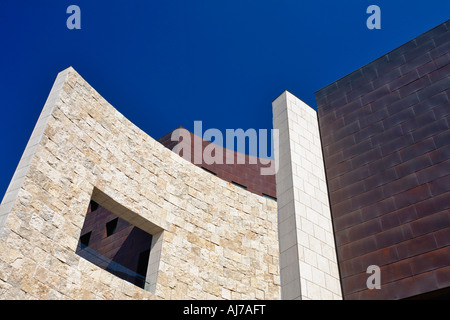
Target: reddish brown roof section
<point x="247" y="175"/>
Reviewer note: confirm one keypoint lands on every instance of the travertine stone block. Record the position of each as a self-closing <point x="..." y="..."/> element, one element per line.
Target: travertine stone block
<point x="308" y="265"/>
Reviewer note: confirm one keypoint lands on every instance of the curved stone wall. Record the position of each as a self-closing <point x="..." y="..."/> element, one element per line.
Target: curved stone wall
<point x="211" y="239"/>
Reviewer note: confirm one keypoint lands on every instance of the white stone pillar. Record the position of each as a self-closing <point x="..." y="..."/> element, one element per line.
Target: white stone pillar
<point x="308" y="263"/>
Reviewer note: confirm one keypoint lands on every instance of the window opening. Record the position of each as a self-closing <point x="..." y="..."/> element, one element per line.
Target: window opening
<point x="126" y="255"/>
<point x="269" y="197"/>
<point x="84" y="240"/>
<point x="239" y="185"/>
<point x="93" y="206"/>
<point x="111" y="227"/>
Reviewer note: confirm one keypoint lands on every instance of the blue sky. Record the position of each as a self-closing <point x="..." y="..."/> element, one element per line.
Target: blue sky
<point x="167" y="63"/>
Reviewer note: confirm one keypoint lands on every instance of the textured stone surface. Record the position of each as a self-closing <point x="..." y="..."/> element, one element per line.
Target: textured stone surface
<point x="308" y="263"/>
<point x="214" y="240"/>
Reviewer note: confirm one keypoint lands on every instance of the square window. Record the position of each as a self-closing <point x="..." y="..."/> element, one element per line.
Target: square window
<point x="84" y="240"/>
<point x="269" y="197"/>
<point x="128" y="253"/>
<point x="93" y="206"/>
<point x="209" y="171"/>
<point x="239" y="185"/>
<point x="111" y="227"/>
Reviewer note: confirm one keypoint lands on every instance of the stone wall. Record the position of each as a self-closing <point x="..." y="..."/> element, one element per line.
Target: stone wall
<point x="212" y="240"/>
<point x="308" y="260"/>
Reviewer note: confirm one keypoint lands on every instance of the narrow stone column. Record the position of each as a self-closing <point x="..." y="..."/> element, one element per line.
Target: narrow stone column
<point x="308" y="263"/>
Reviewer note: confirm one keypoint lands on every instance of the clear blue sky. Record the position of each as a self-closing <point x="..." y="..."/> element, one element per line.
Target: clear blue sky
<point x="168" y="63"/>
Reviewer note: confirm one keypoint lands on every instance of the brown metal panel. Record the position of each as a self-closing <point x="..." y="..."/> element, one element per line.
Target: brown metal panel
<point x="385" y="137"/>
<point x="247" y="174"/>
